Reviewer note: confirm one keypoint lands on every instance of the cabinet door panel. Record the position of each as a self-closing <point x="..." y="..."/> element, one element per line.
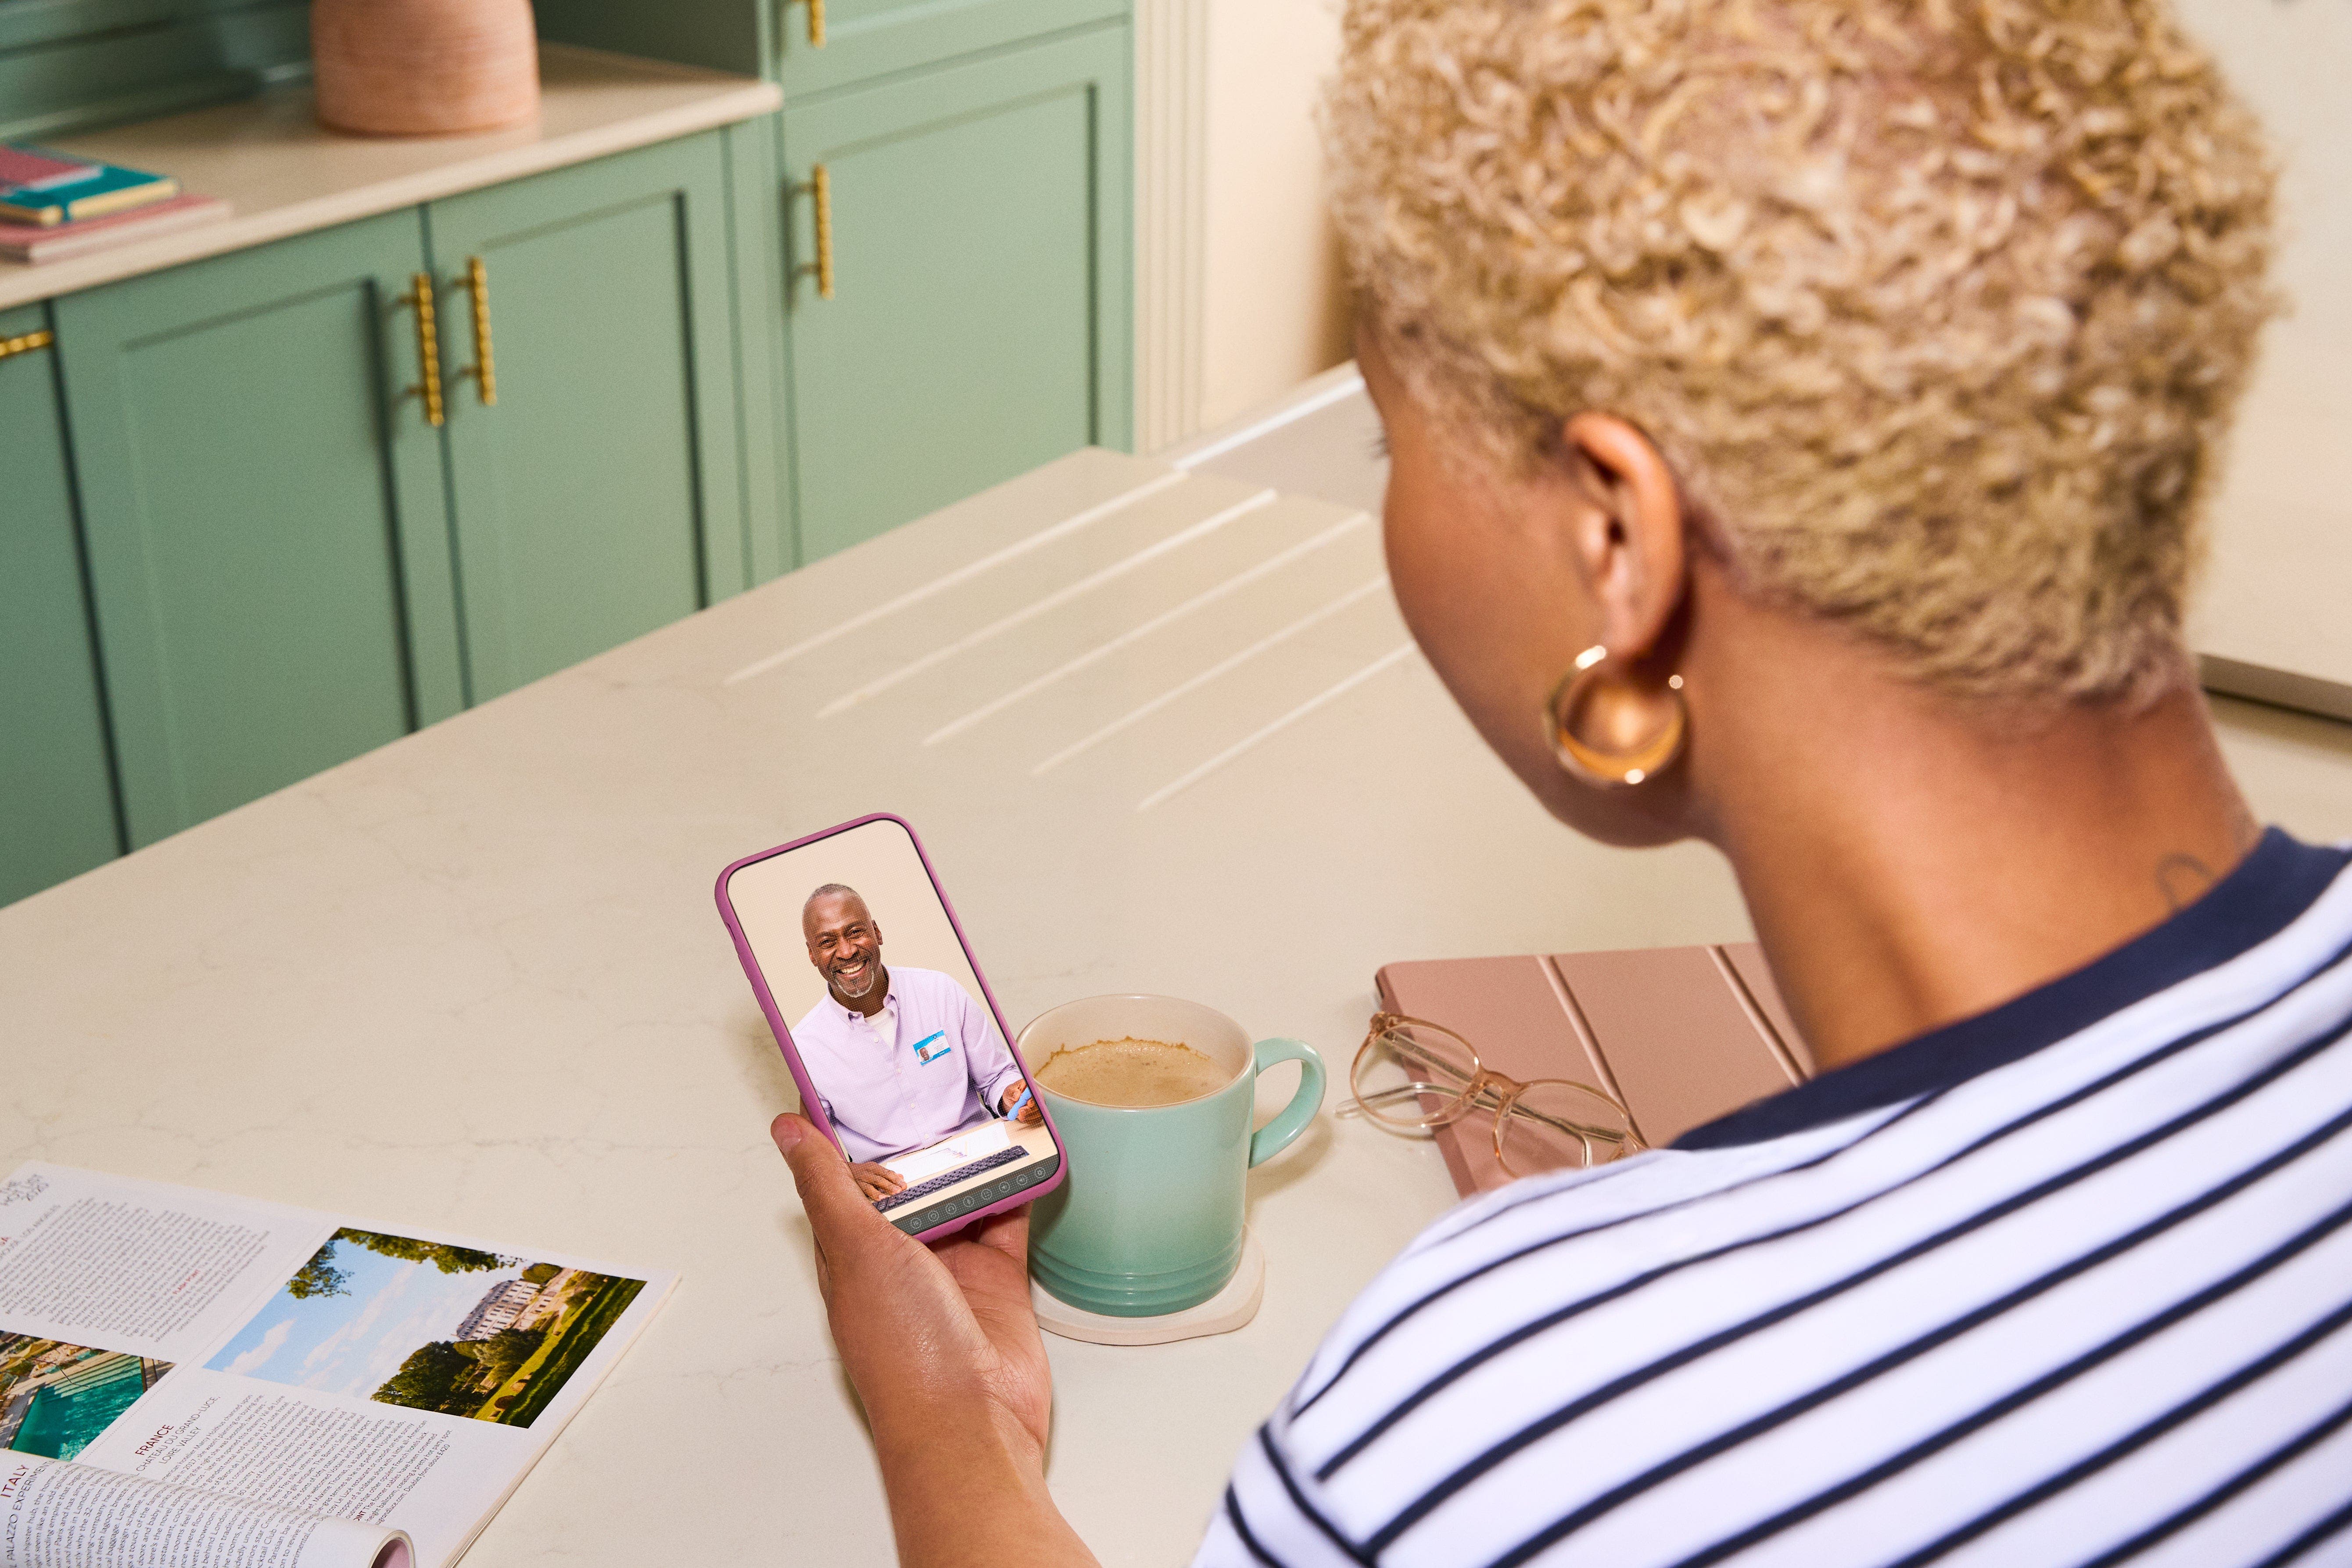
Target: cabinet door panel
<point x="979" y="322"/>
<point x="267" y="527"/>
<point x="600" y="497"/>
<point x="53" y="772"/>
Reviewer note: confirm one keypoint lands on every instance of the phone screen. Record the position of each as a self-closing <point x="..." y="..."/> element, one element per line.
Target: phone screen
<point x="933" y="1109"/>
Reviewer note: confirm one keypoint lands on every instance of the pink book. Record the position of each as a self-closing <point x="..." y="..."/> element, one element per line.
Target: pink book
<point x="32" y="242"/>
<point x="29" y="169"/>
<point x="1680" y="1035"/>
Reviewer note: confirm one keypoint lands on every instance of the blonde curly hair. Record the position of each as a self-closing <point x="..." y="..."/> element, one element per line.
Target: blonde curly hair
<point x="1938" y="307"/>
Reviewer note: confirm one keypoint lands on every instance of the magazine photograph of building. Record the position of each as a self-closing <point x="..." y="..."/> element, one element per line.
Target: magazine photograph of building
<point x="430" y="1326"/>
<point x="55" y="1397"/>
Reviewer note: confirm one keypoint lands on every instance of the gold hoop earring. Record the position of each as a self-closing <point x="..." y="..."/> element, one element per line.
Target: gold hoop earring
<point x="1609" y="732"/>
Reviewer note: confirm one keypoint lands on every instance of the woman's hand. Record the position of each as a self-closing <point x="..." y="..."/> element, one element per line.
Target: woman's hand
<point x="876" y="1180"/>
<point x="943" y="1349"/>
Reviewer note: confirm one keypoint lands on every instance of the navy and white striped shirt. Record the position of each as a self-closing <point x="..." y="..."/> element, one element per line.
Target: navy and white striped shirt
<point x="2066" y="1282"/>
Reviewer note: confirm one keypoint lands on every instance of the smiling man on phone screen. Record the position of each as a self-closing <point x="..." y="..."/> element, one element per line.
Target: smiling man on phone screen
<point x="902" y="1058"/>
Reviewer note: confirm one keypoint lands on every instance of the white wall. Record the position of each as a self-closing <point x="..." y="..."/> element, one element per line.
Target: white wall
<point x="2275" y="591"/>
<point x="1275" y="311"/>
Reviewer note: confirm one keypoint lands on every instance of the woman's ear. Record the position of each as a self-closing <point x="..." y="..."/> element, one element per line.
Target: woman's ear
<point x="1629" y="533"/>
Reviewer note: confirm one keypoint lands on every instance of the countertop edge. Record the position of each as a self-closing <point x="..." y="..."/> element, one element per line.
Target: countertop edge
<point x="1319" y="390"/>
<point x="23" y="283"/>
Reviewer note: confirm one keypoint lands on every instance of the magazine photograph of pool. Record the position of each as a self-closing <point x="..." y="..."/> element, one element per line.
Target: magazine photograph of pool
<point x="55" y="1397"/>
<point x="430" y="1326"/>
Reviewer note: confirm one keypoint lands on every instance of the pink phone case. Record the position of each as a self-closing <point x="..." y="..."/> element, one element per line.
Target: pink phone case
<point x="812" y="1105"/>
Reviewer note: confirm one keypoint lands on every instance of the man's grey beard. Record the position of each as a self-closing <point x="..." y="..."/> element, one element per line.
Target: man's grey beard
<point x="873" y="977"/>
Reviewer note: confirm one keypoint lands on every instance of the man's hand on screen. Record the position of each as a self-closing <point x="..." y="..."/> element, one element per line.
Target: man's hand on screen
<point x="877" y="1181"/>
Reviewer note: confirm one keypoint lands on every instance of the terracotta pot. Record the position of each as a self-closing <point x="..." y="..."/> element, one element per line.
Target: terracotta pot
<point x="424" y="67"/>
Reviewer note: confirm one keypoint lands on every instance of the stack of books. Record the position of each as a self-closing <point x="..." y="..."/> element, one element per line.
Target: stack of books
<point x="54" y="204"/>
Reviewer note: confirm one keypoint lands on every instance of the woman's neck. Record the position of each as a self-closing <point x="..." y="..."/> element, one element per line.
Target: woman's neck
<point x="1910" y="860"/>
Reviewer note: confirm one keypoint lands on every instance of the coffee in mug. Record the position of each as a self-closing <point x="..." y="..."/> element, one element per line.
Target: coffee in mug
<point x="1153" y="1098"/>
<point x="1132" y="1073"/>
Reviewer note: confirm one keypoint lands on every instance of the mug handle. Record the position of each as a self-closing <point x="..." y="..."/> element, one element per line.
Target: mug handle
<point x="1275" y="1135"/>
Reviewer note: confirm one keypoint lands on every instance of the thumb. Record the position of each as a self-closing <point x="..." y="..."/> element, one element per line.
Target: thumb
<point x="828" y="1193"/>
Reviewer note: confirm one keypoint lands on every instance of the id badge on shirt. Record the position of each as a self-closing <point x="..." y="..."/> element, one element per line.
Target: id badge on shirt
<point x="932" y="1047"/>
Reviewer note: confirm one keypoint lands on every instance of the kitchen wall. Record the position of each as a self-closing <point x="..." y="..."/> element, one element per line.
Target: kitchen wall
<point x="2273" y="595"/>
<point x="1275" y="310"/>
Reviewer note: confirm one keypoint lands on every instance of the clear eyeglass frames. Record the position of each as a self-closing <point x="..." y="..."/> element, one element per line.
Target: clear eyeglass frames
<point x="1414" y="1076"/>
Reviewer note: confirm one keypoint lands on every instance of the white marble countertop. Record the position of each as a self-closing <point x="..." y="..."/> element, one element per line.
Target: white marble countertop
<point x="283" y="174"/>
<point x="475" y="980"/>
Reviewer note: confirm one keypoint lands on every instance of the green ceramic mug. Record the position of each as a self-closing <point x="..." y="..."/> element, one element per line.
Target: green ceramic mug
<point x="1150" y="1221"/>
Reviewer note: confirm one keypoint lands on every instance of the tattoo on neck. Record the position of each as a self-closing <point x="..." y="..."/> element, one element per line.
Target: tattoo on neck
<point x="2183" y="879"/>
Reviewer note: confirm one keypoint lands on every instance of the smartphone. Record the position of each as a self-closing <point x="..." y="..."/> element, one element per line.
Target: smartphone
<point x="891" y="1032"/>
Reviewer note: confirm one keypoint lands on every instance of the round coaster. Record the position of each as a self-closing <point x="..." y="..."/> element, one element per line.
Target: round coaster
<point x="1226" y="1310"/>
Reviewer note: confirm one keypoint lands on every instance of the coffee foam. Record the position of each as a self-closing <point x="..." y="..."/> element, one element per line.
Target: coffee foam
<point x="1133" y="1074"/>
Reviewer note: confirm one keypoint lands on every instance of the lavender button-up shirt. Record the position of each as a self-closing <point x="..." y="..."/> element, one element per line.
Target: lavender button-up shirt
<point x="930" y="1063"/>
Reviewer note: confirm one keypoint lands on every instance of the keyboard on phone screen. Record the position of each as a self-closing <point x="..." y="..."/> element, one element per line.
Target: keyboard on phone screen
<point x="948" y="1178"/>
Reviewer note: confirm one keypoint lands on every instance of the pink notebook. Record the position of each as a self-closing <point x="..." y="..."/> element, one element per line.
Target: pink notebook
<point x="1680" y="1035"/>
<point x="30" y="242"/>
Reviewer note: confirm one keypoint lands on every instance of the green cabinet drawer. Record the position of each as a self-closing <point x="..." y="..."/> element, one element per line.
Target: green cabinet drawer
<point x="599" y="496"/>
<point x="979" y="324"/>
<point x="865" y="39"/>
<point x="55" y="777"/>
<point x="265" y="516"/>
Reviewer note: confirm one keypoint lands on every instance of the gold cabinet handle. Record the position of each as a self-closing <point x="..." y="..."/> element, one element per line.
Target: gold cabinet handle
<point x="429" y="347"/>
<point x="824" y="183"/>
<point x="11" y="347"/>
<point x="816" y="24"/>
<point x="485" y="368"/>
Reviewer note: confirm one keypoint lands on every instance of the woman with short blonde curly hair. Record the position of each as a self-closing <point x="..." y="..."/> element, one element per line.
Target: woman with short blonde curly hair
<point x="1938" y="321"/>
<point x="1800" y="413"/>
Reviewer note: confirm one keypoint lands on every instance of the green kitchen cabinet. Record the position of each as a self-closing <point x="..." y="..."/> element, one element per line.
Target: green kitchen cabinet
<point x="265" y="515"/>
<point x="65" y="64"/>
<point x="597" y="498"/>
<point x="977" y="159"/>
<point x="975" y="242"/>
<point x="56" y="778"/>
<point x="239" y="547"/>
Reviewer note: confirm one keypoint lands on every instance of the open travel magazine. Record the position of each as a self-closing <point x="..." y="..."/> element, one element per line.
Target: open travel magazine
<point x="189" y="1377"/>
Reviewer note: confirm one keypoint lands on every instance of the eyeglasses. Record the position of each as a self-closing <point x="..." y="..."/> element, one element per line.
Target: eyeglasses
<point x="1414" y="1076"/>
